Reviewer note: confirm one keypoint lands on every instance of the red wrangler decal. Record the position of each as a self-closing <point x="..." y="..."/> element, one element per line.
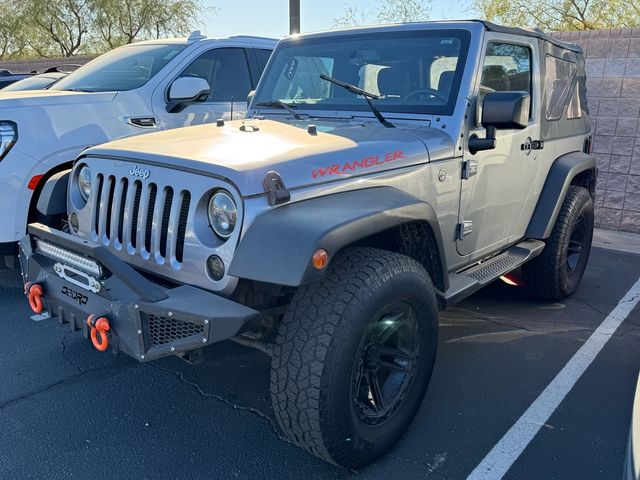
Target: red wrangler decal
<point x="350" y="167"/>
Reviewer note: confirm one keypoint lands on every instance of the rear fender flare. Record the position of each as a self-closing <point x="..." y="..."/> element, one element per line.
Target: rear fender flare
<point x="562" y="172"/>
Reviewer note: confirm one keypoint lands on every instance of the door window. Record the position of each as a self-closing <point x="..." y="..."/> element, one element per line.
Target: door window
<point x="227" y="72"/>
<point x="507" y="67"/>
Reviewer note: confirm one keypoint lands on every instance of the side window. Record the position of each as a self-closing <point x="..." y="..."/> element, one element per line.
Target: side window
<point x="227" y="72"/>
<point x="263" y="57"/>
<point x="559" y="83"/>
<point x="506" y="68"/>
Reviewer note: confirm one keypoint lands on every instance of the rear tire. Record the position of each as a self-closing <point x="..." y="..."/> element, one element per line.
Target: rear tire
<point x="354" y="355"/>
<point x="556" y="272"/>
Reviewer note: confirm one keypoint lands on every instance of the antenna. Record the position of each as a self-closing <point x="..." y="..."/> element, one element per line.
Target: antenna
<point x="196" y="37"/>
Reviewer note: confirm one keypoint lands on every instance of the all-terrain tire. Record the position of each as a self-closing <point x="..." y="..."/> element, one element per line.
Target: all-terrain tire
<point x="556" y="272"/>
<point x="319" y="344"/>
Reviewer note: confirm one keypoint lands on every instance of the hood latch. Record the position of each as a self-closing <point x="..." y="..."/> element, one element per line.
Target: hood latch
<point x="277" y="192"/>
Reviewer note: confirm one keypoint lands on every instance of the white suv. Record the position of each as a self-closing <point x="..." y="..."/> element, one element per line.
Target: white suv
<point x="139" y="88"/>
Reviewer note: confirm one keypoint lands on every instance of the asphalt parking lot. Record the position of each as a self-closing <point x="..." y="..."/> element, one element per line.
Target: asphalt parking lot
<point x="68" y="411"/>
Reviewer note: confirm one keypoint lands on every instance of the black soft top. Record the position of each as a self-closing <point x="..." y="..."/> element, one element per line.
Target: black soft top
<point x="530" y="32"/>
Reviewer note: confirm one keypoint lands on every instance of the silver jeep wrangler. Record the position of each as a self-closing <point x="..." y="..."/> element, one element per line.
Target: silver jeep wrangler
<point x="382" y="174"/>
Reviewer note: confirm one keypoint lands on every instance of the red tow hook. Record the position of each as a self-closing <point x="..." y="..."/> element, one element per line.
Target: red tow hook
<point x="99" y="328"/>
<point x="34" y="294"/>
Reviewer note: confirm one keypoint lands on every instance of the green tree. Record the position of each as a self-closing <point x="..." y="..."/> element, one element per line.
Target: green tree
<point x="119" y="22"/>
<point x="384" y="11"/>
<point x="12" y="35"/>
<point x="561" y="15"/>
<point x="58" y="27"/>
<point x="352" y="16"/>
<point x="398" y="11"/>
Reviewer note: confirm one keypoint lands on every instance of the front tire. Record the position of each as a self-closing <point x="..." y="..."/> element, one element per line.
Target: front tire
<point x="556" y="272"/>
<point x="354" y="355"/>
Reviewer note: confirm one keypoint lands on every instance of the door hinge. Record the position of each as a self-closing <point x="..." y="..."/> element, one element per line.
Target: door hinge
<point x="469" y="169"/>
<point x="464" y="229"/>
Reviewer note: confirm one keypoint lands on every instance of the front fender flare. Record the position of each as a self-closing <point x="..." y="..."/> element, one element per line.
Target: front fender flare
<point x="563" y="170"/>
<point x="278" y="246"/>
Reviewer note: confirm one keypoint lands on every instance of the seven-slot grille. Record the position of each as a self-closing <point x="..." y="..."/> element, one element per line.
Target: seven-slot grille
<point x="143" y="218"/>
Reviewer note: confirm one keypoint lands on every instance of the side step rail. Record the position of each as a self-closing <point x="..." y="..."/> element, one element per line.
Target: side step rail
<point x="464" y="283"/>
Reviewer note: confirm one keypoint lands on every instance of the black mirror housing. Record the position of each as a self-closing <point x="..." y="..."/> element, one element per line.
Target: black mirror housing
<point x="506" y="110"/>
<point x="501" y="111"/>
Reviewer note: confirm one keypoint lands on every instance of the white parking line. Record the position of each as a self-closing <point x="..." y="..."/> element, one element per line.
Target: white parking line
<point x="500" y="459"/>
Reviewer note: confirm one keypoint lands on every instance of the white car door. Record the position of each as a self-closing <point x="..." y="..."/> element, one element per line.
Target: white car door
<point x="227" y="71"/>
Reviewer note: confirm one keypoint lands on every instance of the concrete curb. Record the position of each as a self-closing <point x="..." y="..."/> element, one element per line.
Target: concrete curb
<point x="620" y="241"/>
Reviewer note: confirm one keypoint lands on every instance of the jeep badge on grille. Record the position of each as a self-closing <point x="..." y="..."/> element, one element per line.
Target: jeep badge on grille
<point x="143" y="173"/>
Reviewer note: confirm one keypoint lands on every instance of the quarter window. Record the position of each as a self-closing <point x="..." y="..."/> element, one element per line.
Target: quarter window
<point x="227" y="72"/>
<point x="507" y="68"/>
<point x="559" y="83"/>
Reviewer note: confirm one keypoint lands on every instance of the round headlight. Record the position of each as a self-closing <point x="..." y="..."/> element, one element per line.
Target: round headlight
<point x="222" y="214"/>
<point x="84" y="182"/>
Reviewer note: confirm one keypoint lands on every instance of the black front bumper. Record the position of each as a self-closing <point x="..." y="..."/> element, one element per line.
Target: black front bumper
<point x="147" y="321"/>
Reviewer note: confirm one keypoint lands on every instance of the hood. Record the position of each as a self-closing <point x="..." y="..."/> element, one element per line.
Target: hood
<point x="44" y="98"/>
<point x="244" y="151"/>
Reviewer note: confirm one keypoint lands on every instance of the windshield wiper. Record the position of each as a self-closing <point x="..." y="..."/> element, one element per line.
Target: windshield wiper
<point x="281" y="104"/>
<point x="367" y="96"/>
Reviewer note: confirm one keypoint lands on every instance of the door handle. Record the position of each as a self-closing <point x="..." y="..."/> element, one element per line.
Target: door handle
<point x="532" y="145"/>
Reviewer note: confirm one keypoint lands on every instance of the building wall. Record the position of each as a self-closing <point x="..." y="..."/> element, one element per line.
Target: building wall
<point x="613" y="91"/>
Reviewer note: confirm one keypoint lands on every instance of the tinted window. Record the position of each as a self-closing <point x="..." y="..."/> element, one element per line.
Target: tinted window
<point x="397" y="65"/>
<point x="125" y="68"/>
<point x="263" y="57"/>
<point x="559" y="82"/>
<point x="506" y="67"/>
<point x="227" y="72"/>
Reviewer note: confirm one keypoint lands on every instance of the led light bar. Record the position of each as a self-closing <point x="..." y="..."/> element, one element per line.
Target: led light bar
<point x="69" y="258"/>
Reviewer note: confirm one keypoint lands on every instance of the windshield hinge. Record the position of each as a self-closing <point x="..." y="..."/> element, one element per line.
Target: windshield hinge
<point x="469" y="169"/>
<point x="277" y="192"/>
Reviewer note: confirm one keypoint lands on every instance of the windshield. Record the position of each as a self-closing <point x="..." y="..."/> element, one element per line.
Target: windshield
<point x="125" y="68"/>
<point x="410" y="71"/>
<point x="33" y="83"/>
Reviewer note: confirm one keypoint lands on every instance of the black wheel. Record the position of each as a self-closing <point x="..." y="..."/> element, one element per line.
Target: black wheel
<point x="556" y="272"/>
<point x="354" y="355"/>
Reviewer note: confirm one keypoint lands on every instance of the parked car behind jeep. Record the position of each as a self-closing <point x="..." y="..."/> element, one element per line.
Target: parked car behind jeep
<point x="135" y="89"/>
<point x="382" y="173"/>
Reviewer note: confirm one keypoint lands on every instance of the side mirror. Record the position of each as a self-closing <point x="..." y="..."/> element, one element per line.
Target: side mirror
<point x="501" y="111"/>
<point x="252" y="94"/>
<point x="186" y="91"/>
